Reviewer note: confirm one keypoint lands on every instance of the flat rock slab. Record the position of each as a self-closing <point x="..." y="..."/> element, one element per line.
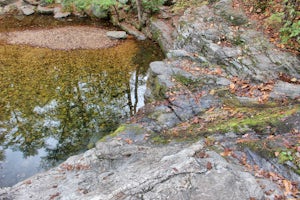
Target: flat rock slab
<point x="116" y="34"/>
<point x="66" y="38"/>
<point x="117" y="170"/>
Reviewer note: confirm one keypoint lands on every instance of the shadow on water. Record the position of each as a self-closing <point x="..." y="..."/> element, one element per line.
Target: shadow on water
<point x="54" y="104"/>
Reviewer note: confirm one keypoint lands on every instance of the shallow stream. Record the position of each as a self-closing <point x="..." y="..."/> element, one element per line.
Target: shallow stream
<point x="54" y="104"/>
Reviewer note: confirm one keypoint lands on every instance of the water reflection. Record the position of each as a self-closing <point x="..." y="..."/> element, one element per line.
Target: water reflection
<point x="57" y="103"/>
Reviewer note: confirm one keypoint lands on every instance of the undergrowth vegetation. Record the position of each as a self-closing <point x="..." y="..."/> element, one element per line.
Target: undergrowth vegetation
<point x="281" y="19"/>
<point x="151" y="6"/>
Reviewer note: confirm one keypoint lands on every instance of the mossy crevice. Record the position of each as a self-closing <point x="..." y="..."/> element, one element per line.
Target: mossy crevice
<point x="263" y="121"/>
<point x="257" y="119"/>
<point x="125" y="131"/>
<point x="158" y="90"/>
<point x="189" y="82"/>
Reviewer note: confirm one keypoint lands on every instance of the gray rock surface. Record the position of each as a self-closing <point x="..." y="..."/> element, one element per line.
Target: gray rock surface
<point x="163" y="33"/>
<point x="117" y="170"/>
<point x="59" y="13"/>
<point x="45" y="10"/>
<point x="132" y="31"/>
<point x="27" y="10"/>
<point x="248" y="54"/>
<point x="282" y="90"/>
<point x="116" y="34"/>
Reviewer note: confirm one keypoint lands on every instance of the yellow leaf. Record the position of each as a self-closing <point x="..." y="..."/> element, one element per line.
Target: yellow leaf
<point x="212" y="92"/>
<point x="232" y="86"/>
<point x="293" y="80"/>
<point x="287" y="186"/>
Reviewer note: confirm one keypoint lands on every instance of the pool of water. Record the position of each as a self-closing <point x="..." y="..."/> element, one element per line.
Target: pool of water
<point x="54" y="104"/>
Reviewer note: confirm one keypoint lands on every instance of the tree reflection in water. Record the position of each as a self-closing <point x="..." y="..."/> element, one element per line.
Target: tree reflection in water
<point x="71" y="98"/>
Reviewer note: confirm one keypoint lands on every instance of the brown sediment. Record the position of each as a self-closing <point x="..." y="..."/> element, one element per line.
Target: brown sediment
<point x="63" y="38"/>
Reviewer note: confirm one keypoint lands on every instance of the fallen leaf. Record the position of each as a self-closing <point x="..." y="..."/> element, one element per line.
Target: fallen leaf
<point x="28" y="182"/>
<point x="293" y="80"/>
<point x="195" y="120"/>
<point x="211" y="109"/>
<point x="218" y="71"/>
<point x="227" y="152"/>
<point x="201" y="154"/>
<point x="54" y="196"/>
<point x="232" y="86"/>
<point x="287" y="186"/>
<point x="269" y="192"/>
<point x="129" y="141"/>
<point x="251" y="9"/>
<point x="212" y="92"/>
<point x="208" y="165"/>
<point x="176" y="170"/>
<point x="245" y="86"/>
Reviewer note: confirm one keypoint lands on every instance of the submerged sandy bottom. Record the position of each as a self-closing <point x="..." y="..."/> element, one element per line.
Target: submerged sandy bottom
<point x="65" y="38"/>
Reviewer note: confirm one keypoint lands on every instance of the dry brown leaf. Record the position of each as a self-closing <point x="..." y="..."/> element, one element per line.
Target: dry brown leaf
<point x="129" y="141"/>
<point x="218" y="71"/>
<point x="211" y="109"/>
<point x="227" y="152"/>
<point x="208" y="165"/>
<point x="245" y="86"/>
<point x="195" y="120"/>
<point x="202" y="154"/>
<point x="287" y="187"/>
<point x="28" y="182"/>
<point x="232" y="86"/>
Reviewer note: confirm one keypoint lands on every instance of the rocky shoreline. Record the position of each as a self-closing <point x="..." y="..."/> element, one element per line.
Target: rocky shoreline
<point x="224" y="88"/>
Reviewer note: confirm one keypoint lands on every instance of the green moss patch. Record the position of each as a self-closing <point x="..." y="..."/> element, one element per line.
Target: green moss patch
<point x="255" y="119"/>
<point x="190" y="83"/>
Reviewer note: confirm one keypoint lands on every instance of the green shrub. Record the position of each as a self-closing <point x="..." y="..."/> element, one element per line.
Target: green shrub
<point x="47" y="1"/>
<point x="84" y="4"/>
<point x="105" y="4"/>
<point x="152" y="5"/>
<point x="275" y="20"/>
<point x="290" y="30"/>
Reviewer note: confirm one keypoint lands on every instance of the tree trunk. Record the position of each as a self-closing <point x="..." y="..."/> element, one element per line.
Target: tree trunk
<point x="140" y="14"/>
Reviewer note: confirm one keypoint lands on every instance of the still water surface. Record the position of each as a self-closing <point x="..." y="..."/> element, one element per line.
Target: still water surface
<point x="54" y="104"/>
